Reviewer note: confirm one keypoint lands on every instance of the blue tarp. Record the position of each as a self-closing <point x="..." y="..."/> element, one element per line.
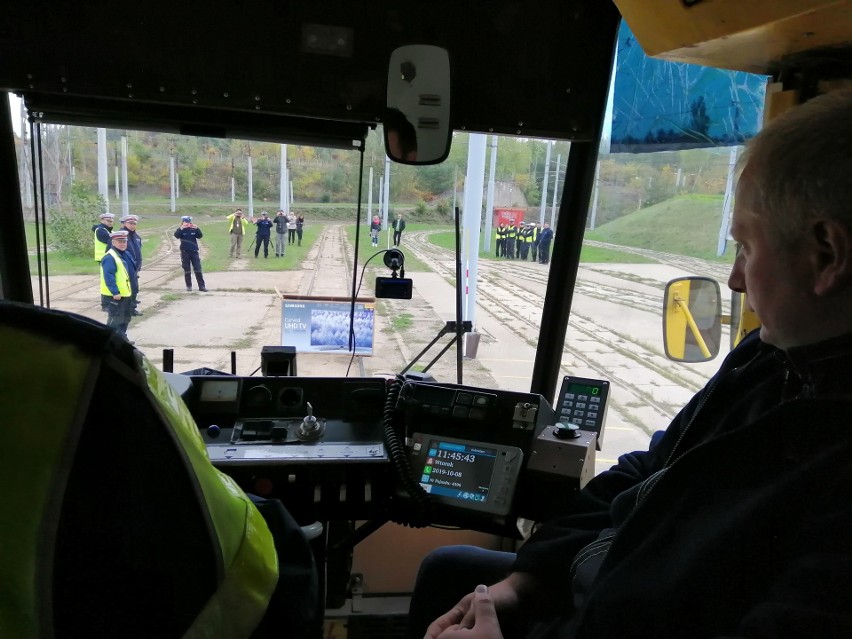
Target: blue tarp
<point x="660" y="105"/>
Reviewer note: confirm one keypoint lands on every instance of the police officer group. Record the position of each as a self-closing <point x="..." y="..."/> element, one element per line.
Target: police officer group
<point x="524" y="241"/>
<point x="119" y="254"/>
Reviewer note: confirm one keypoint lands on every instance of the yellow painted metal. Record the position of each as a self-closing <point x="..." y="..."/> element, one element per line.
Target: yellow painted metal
<point x="733" y="34"/>
<point x="744" y="322"/>
<point x="676" y="322"/>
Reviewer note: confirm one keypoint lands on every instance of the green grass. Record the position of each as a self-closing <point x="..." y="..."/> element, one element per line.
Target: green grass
<point x="366" y="250"/>
<point x="588" y="254"/>
<point x="401" y="322"/>
<point x="61" y="264"/>
<point x="687" y="225"/>
<point x="218" y="243"/>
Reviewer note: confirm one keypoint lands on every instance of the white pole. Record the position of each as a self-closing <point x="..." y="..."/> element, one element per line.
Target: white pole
<point x="677" y="179"/>
<point x="177" y="183"/>
<point x="594" y="212"/>
<point x="172" y="182"/>
<point x="283" y="182"/>
<point x="117" y="183"/>
<point x="726" y="209"/>
<point x="125" y="201"/>
<point x="549" y="145"/>
<point x="555" y="191"/>
<point x="370" y="195"/>
<point x="233" y="190"/>
<point x="489" y="201"/>
<point x="380" y="204"/>
<point x="103" y="173"/>
<point x="387" y="200"/>
<point x="250" y="187"/>
<point x="292" y="197"/>
<point x="455" y="190"/>
<point x="474" y="184"/>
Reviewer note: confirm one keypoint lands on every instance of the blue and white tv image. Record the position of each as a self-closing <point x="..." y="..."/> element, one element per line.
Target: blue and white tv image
<point x="321" y="326"/>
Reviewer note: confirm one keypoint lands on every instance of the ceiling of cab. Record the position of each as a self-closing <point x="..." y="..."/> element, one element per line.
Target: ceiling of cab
<point x="285" y="69"/>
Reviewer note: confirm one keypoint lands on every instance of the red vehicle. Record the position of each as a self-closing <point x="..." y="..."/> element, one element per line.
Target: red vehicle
<point x="512" y="217"/>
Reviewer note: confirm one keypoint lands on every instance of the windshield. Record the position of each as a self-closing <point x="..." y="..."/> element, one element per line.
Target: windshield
<point x="276" y="263"/>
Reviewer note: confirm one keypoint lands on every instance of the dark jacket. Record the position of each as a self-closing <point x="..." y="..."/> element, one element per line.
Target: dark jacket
<point x="545" y="237"/>
<point x="264" y="227"/>
<point x="280" y="224"/>
<point x="109" y="270"/>
<point x="737" y="522"/>
<point x="134" y="247"/>
<point x="188" y="238"/>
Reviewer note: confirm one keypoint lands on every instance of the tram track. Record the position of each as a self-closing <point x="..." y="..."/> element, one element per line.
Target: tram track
<point x="157" y="270"/>
<point x="517" y="298"/>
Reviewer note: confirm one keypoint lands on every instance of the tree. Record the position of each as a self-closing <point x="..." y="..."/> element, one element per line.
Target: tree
<point x="70" y="229"/>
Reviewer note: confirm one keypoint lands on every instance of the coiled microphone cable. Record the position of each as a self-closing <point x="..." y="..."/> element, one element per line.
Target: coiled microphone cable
<point x="419" y="511"/>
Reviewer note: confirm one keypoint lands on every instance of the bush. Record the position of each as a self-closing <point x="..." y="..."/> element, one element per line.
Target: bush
<point x="420" y="208"/>
<point x="70" y="231"/>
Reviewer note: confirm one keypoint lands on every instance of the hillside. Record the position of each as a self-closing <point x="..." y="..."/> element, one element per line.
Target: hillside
<point x="686" y="224"/>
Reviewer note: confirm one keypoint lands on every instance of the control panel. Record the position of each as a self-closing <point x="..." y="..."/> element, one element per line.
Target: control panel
<point x="460" y="473"/>
<point x="582" y="403"/>
<point x="271" y="420"/>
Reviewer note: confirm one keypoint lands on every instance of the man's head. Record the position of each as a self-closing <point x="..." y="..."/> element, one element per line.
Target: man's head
<point x="238" y="212"/>
<point x="107" y="219"/>
<point x="119" y="240"/>
<point x="793" y="223"/>
<point x="186" y="221"/>
<point x="399" y="216"/>
<point x="280" y="212"/>
<point x="265" y="215"/>
<point x="130" y="221"/>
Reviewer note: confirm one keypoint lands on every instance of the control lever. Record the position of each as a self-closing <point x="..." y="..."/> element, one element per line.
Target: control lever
<point x="311" y="428"/>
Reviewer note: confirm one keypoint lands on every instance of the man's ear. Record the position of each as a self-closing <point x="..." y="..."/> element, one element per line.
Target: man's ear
<point x="832" y="259"/>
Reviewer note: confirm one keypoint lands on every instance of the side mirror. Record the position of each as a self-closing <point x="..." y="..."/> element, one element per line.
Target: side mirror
<point x="692" y="319"/>
<point x="417" y="119"/>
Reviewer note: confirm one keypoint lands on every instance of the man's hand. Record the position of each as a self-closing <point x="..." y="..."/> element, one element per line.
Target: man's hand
<point x="116" y="297"/>
<point x="484" y="623"/>
<point x="503" y="597"/>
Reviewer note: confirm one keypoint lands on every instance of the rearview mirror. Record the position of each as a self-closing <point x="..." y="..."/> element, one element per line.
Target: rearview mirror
<point x="416" y="122"/>
<point x="692" y="319"/>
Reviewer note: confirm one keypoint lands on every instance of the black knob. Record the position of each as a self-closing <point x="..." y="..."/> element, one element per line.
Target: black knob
<point x="566" y="431"/>
<point x="213" y="431"/>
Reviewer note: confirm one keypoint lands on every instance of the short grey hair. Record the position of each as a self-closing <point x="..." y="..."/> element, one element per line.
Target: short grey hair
<point x="801" y="164"/>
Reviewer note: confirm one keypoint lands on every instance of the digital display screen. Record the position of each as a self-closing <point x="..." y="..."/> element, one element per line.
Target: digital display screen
<point x="584" y="389"/>
<point x="220" y="390"/>
<point x="458" y="471"/>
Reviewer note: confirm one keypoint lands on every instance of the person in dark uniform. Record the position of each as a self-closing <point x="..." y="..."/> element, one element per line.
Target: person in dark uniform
<point x="118" y="282"/>
<point x="544" y="241"/>
<point x="134" y="248"/>
<point x="102" y="242"/>
<point x="535" y="239"/>
<point x="509" y="246"/>
<point x="189" y="234"/>
<point x="500" y="237"/>
<point x="264" y="232"/>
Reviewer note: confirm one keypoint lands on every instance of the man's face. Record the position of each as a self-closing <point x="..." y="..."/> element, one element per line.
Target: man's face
<point x="107" y="222"/>
<point x="772" y="274"/>
<point x="120" y="243"/>
<point x="131" y="225"/>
